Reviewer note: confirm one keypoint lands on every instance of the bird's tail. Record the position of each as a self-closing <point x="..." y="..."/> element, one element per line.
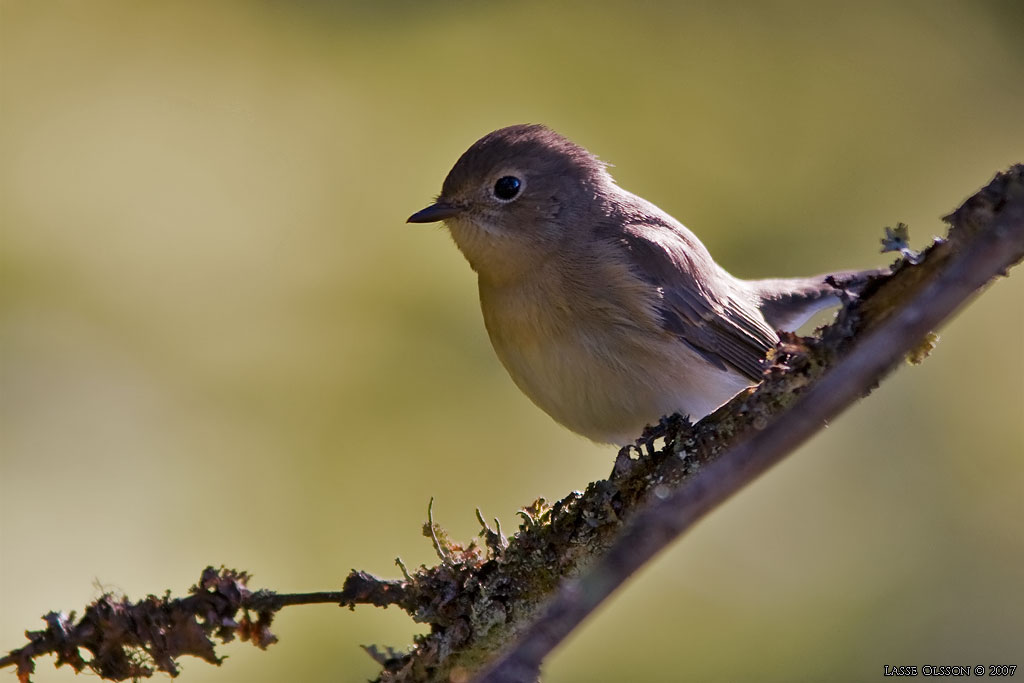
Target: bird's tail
<point x="787" y="303"/>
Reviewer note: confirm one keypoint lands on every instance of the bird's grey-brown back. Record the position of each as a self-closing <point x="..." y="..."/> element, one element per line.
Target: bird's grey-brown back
<point x="606" y="311"/>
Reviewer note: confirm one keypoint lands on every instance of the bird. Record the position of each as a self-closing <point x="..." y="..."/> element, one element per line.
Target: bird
<point x="606" y="311"/>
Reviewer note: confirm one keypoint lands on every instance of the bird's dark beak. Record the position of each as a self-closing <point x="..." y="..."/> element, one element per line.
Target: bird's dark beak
<point x="437" y="211"/>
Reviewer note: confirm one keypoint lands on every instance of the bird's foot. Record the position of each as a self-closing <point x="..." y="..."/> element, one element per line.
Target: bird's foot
<point x="628" y="456"/>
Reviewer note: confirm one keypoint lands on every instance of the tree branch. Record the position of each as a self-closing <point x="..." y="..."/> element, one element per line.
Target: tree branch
<point x="481" y="597"/>
<point x="131" y="640"/>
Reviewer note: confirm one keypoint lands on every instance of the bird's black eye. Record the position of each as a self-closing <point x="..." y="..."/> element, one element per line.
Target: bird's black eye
<point x="507" y="188"/>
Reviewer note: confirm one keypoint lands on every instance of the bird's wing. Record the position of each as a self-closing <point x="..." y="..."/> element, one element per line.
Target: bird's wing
<point x="696" y="303"/>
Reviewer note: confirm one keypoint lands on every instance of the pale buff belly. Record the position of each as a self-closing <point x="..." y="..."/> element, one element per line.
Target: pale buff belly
<point x="606" y="382"/>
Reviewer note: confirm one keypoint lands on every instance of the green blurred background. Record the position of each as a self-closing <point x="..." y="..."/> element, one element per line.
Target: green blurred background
<point x="222" y="344"/>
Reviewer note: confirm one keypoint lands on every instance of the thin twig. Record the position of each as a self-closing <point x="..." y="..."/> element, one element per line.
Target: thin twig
<point x="131" y="640"/>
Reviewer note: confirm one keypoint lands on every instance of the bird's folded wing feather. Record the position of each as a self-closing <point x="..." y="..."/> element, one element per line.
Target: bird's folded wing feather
<point x="717" y="324"/>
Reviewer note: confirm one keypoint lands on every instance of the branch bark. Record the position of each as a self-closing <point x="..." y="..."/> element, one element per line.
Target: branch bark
<point x="534" y="588"/>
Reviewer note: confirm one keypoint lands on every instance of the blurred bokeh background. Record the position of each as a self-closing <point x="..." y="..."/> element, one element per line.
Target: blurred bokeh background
<point x="222" y="344"/>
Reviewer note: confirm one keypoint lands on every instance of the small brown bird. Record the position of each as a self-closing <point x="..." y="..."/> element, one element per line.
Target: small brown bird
<point x="606" y="311"/>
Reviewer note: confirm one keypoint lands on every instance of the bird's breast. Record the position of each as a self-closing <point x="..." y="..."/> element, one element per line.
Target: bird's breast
<point x="598" y="360"/>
